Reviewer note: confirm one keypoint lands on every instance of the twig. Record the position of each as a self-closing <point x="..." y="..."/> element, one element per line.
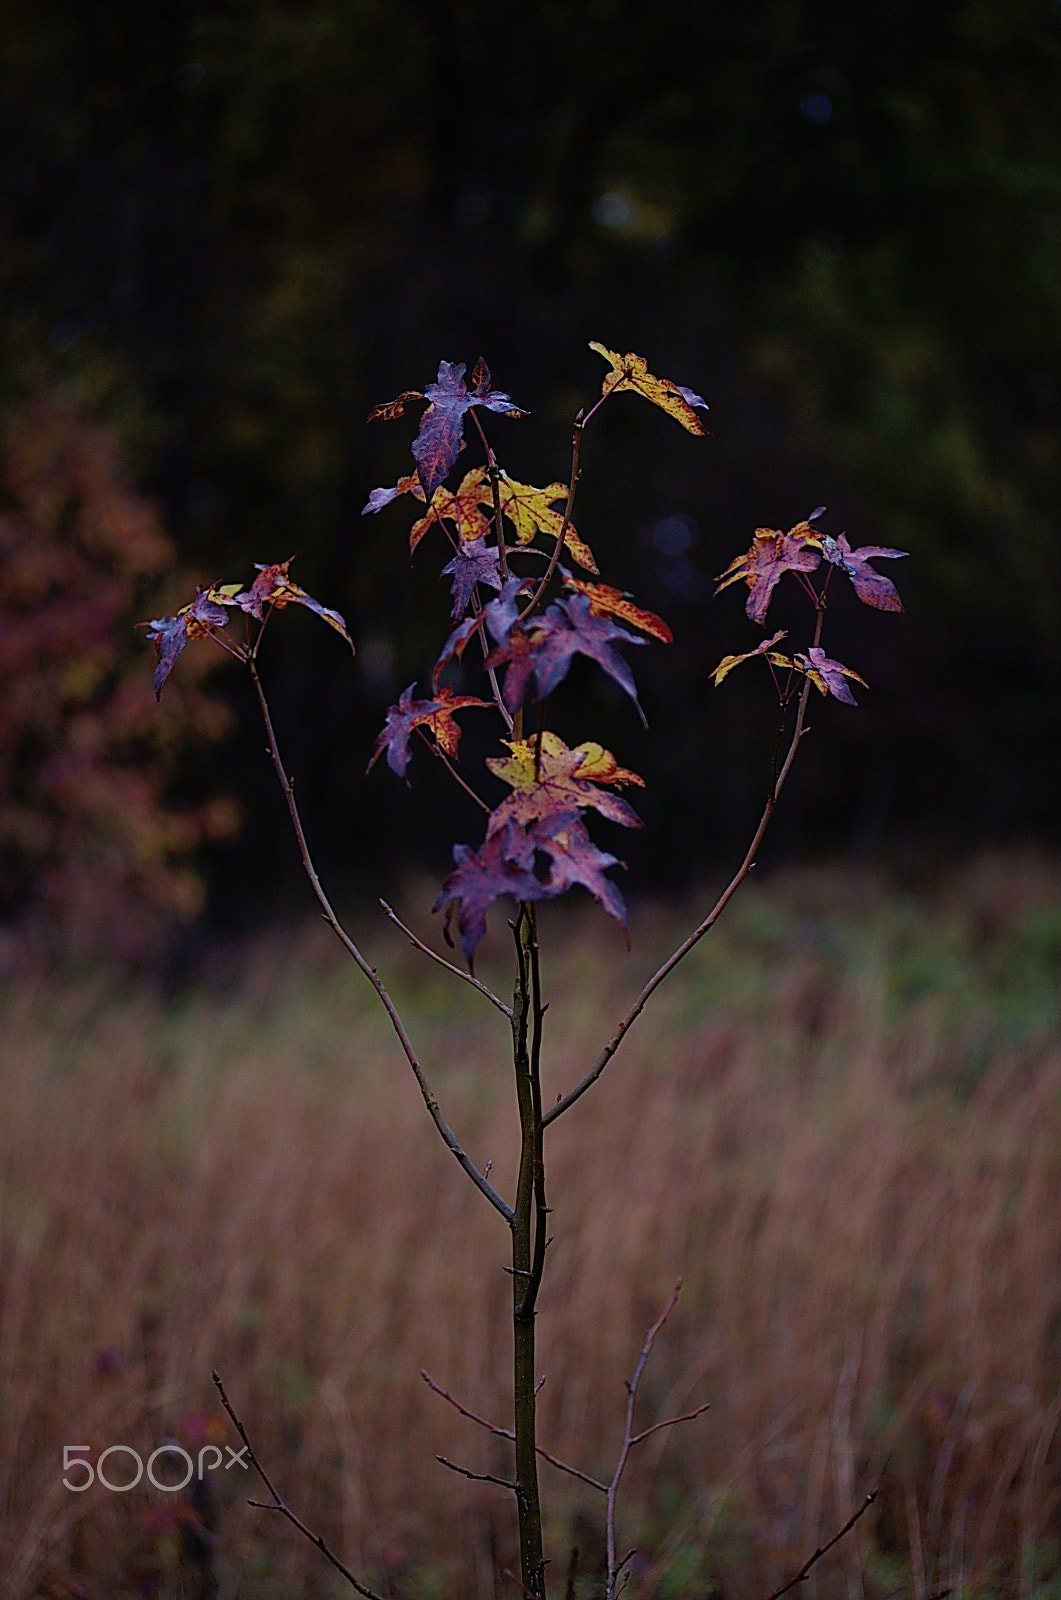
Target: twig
<point x="449" y="1138"/>
<point x="437" y="750"/>
<point x="824" y="1549"/>
<point x="507" y="1433"/>
<point x="280" y="1504"/>
<point x="458" y="972"/>
<point x="686" y="1416"/>
<point x="630" y="1439"/>
<point x="554" y="559"/>
<point x="568" y="1100"/>
<point x="481" y="1477"/>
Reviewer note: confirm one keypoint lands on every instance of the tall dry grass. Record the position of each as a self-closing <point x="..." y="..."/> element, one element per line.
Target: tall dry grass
<point x="841" y="1126"/>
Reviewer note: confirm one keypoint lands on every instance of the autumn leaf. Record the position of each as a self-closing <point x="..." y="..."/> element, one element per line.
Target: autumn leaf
<point x="504" y="865"/>
<point x="567" y="629"/>
<point x="632" y="373"/>
<point x="770" y="555"/>
<point x="171" y="634"/>
<point x="393" y="408"/>
<point x="475" y="562"/>
<point x="383" y="497"/>
<point x="827" y="675"/>
<point x="558" y="779"/>
<point x="604" y="600"/>
<point x="531" y="511"/>
<point x="455" y="645"/>
<point x="726" y="665"/>
<point x="462" y="509"/>
<point x="436" y="715"/>
<point x="872" y="588"/>
<point x="575" y="859"/>
<point x="438" y="442"/>
<point x="273" y="587"/>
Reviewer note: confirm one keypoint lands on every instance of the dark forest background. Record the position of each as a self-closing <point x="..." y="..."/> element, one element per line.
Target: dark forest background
<point x="227" y="230"/>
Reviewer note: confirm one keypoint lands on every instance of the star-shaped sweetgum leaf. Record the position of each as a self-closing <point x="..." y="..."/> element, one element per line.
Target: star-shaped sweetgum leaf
<point x="273" y="587"/>
<point x="475" y="562"/>
<point x="504" y="865"/>
<point x="171" y="634"/>
<point x="574" y="858"/>
<point x="827" y="675"/>
<point x="438" y="442"/>
<point x="770" y="555"/>
<point x="606" y="601"/>
<point x="632" y="373"/>
<point x="557" y="779"/>
<point x="726" y="665"/>
<point x="872" y="588"/>
<point x="436" y="715"/>
<point x="570" y="628"/>
<point x="532" y="511"/>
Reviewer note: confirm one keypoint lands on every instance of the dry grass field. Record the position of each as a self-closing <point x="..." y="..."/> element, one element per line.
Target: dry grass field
<point x="841" y="1126"/>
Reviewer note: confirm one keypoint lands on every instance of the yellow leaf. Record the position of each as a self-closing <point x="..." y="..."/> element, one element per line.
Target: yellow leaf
<point x="631" y="372"/>
<point x="531" y="511"/>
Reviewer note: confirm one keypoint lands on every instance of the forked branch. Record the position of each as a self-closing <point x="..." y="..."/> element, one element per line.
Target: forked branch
<point x="278" y="1503"/>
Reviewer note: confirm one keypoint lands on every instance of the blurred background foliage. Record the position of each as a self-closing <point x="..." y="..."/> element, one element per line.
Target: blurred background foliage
<point x="228" y="229"/>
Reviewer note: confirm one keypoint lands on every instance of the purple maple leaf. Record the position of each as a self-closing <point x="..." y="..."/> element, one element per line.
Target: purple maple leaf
<point x="574" y="858"/>
<point x="438" y="442"/>
<point x="504" y="865"/>
<point x="872" y="588"/>
<point x="398" y="728"/>
<point x="475" y="562"/>
<point x="171" y="634"/>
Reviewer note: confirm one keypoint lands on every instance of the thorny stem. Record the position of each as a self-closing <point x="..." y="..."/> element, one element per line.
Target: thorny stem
<point x="565" y="1102"/>
<point x="458" y="972"/>
<point x="449" y="1138"/>
<point x="281" y="1505"/>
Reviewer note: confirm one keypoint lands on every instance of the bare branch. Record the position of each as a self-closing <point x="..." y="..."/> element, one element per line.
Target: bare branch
<point x="630" y="1439"/>
<point x="823" y="1549"/>
<point x="280" y="1504"/>
<point x="507" y="1433"/>
<point x="686" y="1416"/>
<point x="481" y="1477"/>
<point x="449" y="1138"/>
<point x="777" y="784"/>
<point x="458" y="972"/>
